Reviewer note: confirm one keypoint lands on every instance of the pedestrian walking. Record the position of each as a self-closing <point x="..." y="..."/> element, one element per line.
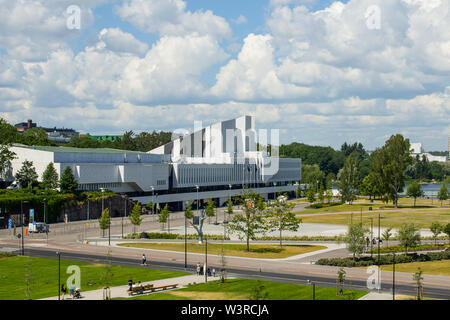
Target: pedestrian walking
<point x="63" y="291"/>
<point x="198" y="269"/>
<point x="144" y="260"/>
<point x="214" y="271"/>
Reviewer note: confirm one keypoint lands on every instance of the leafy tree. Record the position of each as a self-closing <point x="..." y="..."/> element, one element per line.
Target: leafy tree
<point x="259" y="291"/>
<point x="414" y="191"/>
<point x="8" y="133"/>
<point x="68" y="182"/>
<point x="210" y="210"/>
<point x="135" y="216"/>
<point x="104" y="221"/>
<point x="436" y="228"/>
<point x="247" y="224"/>
<point x="311" y="194"/>
<point x="408" y="236"/>
<point x="164" y="215"/>
<point x="35" y="137"/>
<point x="150" y="206"/>
<point x="418" y="278"/>
<point x="446" y="230"/>
<point x="6" y="156"/>
<point x="387" y="234"/>
<point x="27" y="175"/>
<point x="355" y="239"/>
<point x="329" y="195"/>
<point x="321" y="195"/>
<point x="312" y="175"/>
<point x="443" y="193"/>
<point x="349" y="179"/>
<point x="390" y="164"/>
<point x="50" y="178"/>
<point x="189" y="214"/>
<point x="281" y="217"/>
<point x="370" y="186"/>
<point x="229" y="210"/>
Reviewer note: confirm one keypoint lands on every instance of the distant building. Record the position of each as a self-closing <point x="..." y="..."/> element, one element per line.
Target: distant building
<point x="416" y="149"/>
<point x="58" y="135"/>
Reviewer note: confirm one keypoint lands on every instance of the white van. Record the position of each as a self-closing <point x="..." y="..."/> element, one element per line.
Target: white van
<point x="13" y="186"/>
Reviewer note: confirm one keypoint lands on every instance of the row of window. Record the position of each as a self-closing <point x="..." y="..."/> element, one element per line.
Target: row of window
<point x="98" y="186"/>
<point x="235" y="174"/>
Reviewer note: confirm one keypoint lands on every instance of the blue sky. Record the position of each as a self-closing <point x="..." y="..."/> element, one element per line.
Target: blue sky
<point x="323" y="72"/>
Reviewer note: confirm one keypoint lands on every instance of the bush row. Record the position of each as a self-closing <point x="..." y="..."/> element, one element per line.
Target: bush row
<point x="424" y="247"/>
<point x="323" y="205"/>
<point x="162" y="235"/>
<point x="384" y="259"/>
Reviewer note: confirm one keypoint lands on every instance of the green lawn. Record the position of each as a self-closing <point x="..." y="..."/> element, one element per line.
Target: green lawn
<point x="241" y="289"/>
<point x="15" y="270"/>
<point x="440" y="268"/>
<point x="239" y="250"/>
<point x="421" y="218"/>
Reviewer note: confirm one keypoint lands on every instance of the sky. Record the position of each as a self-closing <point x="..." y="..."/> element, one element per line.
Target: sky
<point x="322" y="72"/>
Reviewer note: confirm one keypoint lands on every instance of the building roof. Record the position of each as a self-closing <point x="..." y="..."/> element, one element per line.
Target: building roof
<point x="78" y="150"/>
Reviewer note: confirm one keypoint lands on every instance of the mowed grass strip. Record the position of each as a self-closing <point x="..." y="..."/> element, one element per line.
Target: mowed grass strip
<point x="378" y="205"/>
<point x="421" y="218"/>
<point x="241" y="289"/>
<point x="43" y="275"/>
<point x="439" y="268"/>
<point x="238" y="250"/>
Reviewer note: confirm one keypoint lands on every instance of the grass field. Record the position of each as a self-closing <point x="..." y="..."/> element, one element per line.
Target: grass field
<point x="440" y="268"/>
<point x="421" y="218"/>
<point x="238" y="250"/>
<point x="378" y="205"/>
<point x="241" y="289"/>
<point x="43" y="273"/>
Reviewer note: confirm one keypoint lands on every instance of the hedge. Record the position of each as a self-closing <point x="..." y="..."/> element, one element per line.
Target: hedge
<point x="175" y="236"/>
<point x="384" y="259"/>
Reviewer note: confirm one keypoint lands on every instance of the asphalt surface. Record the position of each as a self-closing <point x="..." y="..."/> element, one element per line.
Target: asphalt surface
<point x="406" y="289"/>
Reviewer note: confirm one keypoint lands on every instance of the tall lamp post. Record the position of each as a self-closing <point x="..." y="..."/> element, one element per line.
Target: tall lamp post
<point x="206" y="260"/>
<point x="197" y="187"/>
<point x="153" y="199"/>
<point x="23" y="222"/>
<point x="59" y="274"/>
<point x="379" y="222"/>
<point x="45" y="210"/>
<point x="185" y="243"/>
<point x="393" y="276"/>
<point x="371" y="237"/>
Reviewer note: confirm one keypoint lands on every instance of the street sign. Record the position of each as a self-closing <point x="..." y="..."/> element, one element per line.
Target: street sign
<point x="31" y="214"/>
<point x="9" y="223"/>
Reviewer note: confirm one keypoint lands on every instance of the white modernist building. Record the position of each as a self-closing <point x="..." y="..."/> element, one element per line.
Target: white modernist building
<point x="214" y="162"/>
<point x="416" y="149"/>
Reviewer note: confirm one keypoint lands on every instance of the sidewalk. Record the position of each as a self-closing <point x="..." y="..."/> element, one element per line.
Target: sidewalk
<point x="120" y="291"/>
<point x="378" y="296"/>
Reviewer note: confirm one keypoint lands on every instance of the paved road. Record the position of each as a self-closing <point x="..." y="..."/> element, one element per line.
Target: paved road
<point x="290" y="271"/>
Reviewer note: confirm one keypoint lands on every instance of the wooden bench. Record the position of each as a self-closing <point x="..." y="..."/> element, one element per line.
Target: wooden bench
<point x="168" y="286"/>
<point x="140" y="289"/>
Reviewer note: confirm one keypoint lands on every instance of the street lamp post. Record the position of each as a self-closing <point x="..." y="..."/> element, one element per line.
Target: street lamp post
<point x="206" y="260"/>
<point x="45" y="210"/>
<point x="379" y="222"/>
<point x="185" y="243"/>
<point x="153" y="199"/>
<point x="109" y="223"/>
<point x="23" y="222"/>
<point x="197" y="187"/>
<point x="371" y="237"/>
<point x="59" y="274"/>
<point x="393" y="276"/>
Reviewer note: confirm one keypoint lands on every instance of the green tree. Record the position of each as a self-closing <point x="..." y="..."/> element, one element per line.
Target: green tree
<point x="27" y="175"/>
<point x="355" y="239"/>
<point x="436" y="228"/>
<point x="68" y="182"/>
<point x="446" y="230"/>
<point x="50" y="178"/>
<point x="321" y="195"/>
<point x="387" y="234"/>
<point x="370" y="186"/>
<point x="390" y="165"/>
<point x="408" y="236"/>
<point x="281" y="217"/>
<point x="35" y="137"/>
<point x="443" y="193"/>
<point x="418" y="278"/>
<point x="104" y="221"/>
<point x="210" y="210"/>
<point x="414" y="191"/>
<point x="329" y="195"/>
<point x="229" y="210"/>
<point x="349" y="179"/>
<point x="259" y="291"/>
<point x="311" y="194"/>
<point x="135" y="216"/>
<point x="247" y="224"/>
<point x="6" y="156"/>
<point x="164" y="215"/>
<point x="150" y="206"/>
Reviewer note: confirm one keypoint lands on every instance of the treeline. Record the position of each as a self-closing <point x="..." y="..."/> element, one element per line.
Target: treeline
<point x="143" y="141"/>
<point x="321" y="165"/>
